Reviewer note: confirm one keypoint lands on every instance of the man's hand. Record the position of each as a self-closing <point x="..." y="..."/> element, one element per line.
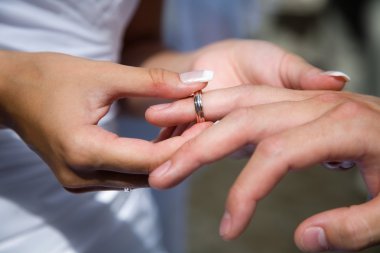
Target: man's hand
<point x="291" y="130"/>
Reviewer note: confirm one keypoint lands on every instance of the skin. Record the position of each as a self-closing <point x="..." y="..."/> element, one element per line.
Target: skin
<point x="338" y="126"/>
<point x="57" y="116"/>
<point x="54" y="101"/>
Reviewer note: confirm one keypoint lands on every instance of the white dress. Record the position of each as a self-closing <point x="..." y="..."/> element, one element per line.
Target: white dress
<point x="36" y="214"/>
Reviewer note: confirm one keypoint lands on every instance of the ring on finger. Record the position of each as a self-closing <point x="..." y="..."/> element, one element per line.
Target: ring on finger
<point x="199" y="107"/>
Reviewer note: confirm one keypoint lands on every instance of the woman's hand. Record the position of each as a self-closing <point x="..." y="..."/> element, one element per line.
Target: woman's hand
<point x="292" y="130"/>
<point x="54" y="102"/>
<point x="258" y="62"/>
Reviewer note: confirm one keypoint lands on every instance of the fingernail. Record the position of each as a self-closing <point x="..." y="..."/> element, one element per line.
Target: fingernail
<point x="314" y="239"/>
<point x="160" y="106"/>
<point x="225" y="225"/>
<point x="198" y="76"/>
<point x="337" y="74"/>
<point x="161" y="170"/>
<point x="216" y="122"/>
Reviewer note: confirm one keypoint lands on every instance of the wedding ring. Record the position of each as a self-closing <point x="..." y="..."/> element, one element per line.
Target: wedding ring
<point x="199" y="107"/>
<point x="339" y="165"/>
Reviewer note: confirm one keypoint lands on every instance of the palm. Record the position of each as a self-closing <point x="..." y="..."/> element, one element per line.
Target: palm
<point x="241" y="62"/>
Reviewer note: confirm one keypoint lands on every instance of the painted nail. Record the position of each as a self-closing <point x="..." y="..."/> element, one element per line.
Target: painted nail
<point x="337" y="74"/>
<point x="161" y="170"/>
<point x="225" y="225"/>
<point x="160" y="106"/>
<point x="198" y="76"/>
<point x="314" y="239"/>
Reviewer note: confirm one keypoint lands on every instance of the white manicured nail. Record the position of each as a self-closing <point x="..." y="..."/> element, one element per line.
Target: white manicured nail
<point x="337" y="74"/>
<point x="198" y="76"/>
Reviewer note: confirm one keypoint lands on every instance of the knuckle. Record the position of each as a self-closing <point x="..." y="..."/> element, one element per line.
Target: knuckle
<point x="355" y="234"/>
<point x="243" y="120"/>
<point x="76" y="153"/>
<point x="158" y="76"/>
<point x="271" y="147"/>
<point x="240" y="114"/>
<point x="237" y="194"/>
<point x="349" y="109"/>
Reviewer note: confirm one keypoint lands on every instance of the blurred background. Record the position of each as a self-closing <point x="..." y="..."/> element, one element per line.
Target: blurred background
<point x="334" y="35"/>
<point x="339" y="35"/>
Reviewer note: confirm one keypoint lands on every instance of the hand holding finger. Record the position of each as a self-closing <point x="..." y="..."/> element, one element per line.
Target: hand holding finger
<point x="55" y="107"/>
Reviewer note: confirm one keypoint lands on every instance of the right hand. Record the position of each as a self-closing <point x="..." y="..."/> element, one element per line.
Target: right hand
<point x="292" y="130"/>
<point x="55" y="101"/>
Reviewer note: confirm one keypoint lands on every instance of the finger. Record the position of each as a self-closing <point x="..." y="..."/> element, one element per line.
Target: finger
<point x="347" y="229"/>
<point x="164" y="134"/>
<point x="218" y="103"/>
<point x="296" y="73"/>
<point x="122" y="81"/>
<point x="116" y="173"/>
<point x="289" y="150"/>
<point x="249" y="125"/>
<point x="112" y="153"/>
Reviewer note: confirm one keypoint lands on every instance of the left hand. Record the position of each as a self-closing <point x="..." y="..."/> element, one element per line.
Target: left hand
<point x="257" y="62"/>
<point x="236" y="62"/>
<point x="337" y="126"/>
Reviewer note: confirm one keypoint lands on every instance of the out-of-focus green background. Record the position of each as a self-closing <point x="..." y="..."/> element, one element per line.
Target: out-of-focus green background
<point x="298" y="196"/>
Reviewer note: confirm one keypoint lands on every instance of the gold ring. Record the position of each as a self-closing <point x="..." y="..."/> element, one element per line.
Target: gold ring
<point x="199" y="107"/>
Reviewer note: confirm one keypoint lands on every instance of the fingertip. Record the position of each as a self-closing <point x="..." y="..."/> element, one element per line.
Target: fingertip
<point x="313" y="239"/>
<point x="160" y="115"/>
<point x="196" y="76"/>
<point x="322" y="81"/>
<point x="161" y="180"/>
<point x="171" y="114"/>
<point x="237" y="216"/>
<point x="157" y="178"/>
<point x="338" y="75"/>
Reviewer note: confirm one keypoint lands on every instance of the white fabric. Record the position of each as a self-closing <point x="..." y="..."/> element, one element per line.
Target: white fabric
<point x="36" y="214"/>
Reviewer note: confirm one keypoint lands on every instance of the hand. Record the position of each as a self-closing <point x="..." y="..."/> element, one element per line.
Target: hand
<point x="292" y="130"/>
<point x="54" y="102"/>
<point x="237" y="62"/>
<point x="258" y="62"/>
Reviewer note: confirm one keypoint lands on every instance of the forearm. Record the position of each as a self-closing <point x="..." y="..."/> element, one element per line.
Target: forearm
<point x="5" y="72"/>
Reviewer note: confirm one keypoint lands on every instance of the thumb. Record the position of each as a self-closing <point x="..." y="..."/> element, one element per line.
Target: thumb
<point x="296" y="73"/>
<point x="126" y="81"/>
<point x="348" y="229"/>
